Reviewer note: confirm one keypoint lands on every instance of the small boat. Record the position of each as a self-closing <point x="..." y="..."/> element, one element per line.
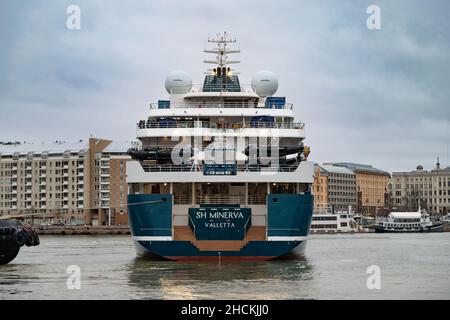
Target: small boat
<point x="13" y="235"/>
<point x="408" y="222"/>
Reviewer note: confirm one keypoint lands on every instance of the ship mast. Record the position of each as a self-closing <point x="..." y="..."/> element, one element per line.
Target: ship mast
<point x="221" y="52"/>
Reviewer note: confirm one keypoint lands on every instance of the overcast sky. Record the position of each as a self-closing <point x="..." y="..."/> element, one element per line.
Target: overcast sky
<point x="380" y="97"/>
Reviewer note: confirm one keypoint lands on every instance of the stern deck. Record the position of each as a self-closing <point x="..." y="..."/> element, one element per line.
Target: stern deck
<point x="253" y="234"/>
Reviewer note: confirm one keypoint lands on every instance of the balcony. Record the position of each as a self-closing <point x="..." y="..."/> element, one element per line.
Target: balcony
<point x="169" y="124"/>
<point x="227" y="104"/>
<point x="200" y="168"/>
<point x="301" y="173"/>
<point x="104" y="204"/>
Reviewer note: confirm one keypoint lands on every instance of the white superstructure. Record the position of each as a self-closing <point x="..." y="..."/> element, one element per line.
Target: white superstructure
<point x="205" y="143"/>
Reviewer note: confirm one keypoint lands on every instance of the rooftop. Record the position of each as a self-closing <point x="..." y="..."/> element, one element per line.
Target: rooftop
<point x="357" y="167"/>
<point x="335" y="169"/>
<point x="422" y="172"/>
<point x="56" y="147"/>
<point x="49" y="147"/>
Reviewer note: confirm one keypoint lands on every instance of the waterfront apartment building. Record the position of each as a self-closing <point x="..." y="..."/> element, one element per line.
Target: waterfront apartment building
<point x="431" y="188"/>
<point x="371" y="185"/>
<point x="59" y="182"/>
<point x="339" y="185"/>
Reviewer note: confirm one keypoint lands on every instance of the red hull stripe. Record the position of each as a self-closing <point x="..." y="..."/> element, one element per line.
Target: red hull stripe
<point x="222" y="258"/>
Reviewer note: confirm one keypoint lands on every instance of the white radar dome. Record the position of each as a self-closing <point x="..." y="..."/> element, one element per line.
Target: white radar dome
<point x="178" y="81"/>
<point x="265" y="83"/>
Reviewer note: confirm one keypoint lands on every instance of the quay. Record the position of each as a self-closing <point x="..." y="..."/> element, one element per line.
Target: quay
<point x="83" y="230"/>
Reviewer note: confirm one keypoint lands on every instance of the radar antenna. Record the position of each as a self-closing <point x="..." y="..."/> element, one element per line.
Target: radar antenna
<point x="221" y="52"/>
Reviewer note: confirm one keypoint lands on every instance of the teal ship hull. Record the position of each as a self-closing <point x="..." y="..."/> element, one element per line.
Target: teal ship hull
<point x="219" y="232"/>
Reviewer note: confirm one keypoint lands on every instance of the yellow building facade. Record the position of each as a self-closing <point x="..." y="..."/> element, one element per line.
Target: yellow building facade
<point x="320" y="188"/>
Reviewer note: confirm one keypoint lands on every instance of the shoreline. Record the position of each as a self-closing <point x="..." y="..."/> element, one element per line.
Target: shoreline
<point x="83" y="230"/>
<point x="125" y="230"/>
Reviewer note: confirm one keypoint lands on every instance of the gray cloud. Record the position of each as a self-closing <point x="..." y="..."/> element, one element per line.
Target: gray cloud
<point x="378" y="97"/>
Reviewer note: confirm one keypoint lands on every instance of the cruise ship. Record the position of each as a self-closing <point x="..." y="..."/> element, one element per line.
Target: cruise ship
<point x="221" y="171"/>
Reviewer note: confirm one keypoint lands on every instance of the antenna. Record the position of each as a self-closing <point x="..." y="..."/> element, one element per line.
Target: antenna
<point x="221" y="52"/>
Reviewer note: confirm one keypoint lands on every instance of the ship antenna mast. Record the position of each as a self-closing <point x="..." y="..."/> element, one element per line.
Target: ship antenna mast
<point x="221" y="51"/>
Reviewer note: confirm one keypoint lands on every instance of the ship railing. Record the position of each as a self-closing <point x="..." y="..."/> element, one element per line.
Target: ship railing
<point x="199" y="168"/>
<point x="145" y="124"/>
<point x="257" y="199"/>
<point x="226" y="104"/>
<point x="182" y="199"/>
<point x="168" y="168"/>
<point x="271" y="168"/>
<point x="220" y="199"/>
<point x="323" y="208"/>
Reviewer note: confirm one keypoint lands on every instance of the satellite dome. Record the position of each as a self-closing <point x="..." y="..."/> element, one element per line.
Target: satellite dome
<point x="419" y="168"/>
<point x="178" y="81"/>
<point x="264" y="83"/>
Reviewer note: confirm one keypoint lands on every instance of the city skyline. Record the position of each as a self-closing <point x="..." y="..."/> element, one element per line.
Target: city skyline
<point x="376" y="97"/>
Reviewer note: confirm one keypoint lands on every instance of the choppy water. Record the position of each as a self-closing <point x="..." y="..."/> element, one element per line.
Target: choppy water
<point x="413" y="266"/>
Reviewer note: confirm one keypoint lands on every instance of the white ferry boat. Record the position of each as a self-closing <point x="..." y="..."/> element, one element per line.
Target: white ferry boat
<point x="408" y="222"/>
<point x="325" y="220"/>
<point x="222" y="172"/>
